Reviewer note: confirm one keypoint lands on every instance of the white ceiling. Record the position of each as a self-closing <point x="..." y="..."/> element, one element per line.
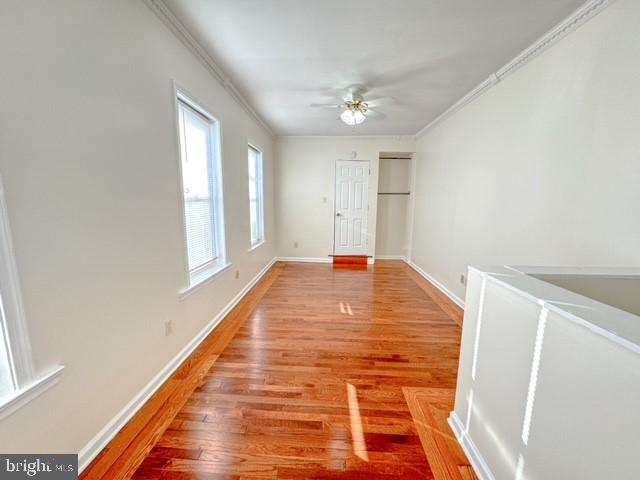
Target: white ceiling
<point x="286" y="54"/>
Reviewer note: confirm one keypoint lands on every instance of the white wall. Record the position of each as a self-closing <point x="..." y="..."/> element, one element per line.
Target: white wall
<point x="539" y="394"/>
<point x="306" y="177"/>
<point x="392" y="224"/>
<point x="89" y="162"/>
<point x="544" y="168"/>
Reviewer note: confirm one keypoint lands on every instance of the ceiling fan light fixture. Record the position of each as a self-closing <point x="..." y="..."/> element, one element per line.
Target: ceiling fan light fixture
<point x="352" y="117"/>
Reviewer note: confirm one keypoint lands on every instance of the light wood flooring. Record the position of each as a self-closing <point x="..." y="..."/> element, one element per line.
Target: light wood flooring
<point x="319" y="372"/>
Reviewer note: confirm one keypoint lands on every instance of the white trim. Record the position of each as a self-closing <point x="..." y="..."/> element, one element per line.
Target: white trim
<point x="167" y="17"/>
<point x="616" y="325"/>
<point x="25" y="385"/>
<point x="100" y="441"/>
<point x="22" y="396"/>
<point x="405" y="136"/>
<point x="305" y="259"/>
<point x="583" y="14"/>
<point x="259" y="183"/>
<point x="205" y="277"/>
<point x="19" y="344"/>
<point x="478" y="463"/>
<point x="199" y="275"/>
<point x="192" y="103"/>
<point x="391" y="257"/>
<point x="411" y="208"/>
<point x="468" y="98"/>
<point x="579" y="272"/>
<point x="456" y="299"/>
<point x="579" y="17"/>
<point x="259" y="244"/>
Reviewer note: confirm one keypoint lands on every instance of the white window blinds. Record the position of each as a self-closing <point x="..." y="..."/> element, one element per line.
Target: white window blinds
<point x="199" y="160"/>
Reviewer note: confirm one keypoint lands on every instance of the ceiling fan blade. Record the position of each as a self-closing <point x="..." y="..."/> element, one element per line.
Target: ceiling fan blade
<point x="354" y="92"/>
<point x="376" y="102"/>
<point x="371" y="113"/>
<point x="327" y="105"/>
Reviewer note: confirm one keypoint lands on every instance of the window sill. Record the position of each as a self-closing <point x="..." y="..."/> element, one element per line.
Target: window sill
<point x="21" y="397"/>
<point x="253" y="247"/>
<point x="202" y="278"/>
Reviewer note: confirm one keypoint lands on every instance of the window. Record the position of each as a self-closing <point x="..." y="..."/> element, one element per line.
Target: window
<point x="256" y="197"/>
<point x="202" y="190"/>
<point x="7" y="378"/>
<point x="13" y="372"/>
<point x="15" y="361"/>
<point x="18" y="385"/>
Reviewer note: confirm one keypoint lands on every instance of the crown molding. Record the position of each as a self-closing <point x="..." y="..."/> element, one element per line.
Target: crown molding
<point x="398" y="138"/>
<point x="582" y="15"/>
<point x="182" y="33"/>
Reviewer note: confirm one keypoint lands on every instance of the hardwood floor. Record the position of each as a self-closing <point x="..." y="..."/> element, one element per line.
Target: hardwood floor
<point x="430" y="408"/>
<point x="304" y="380"/>
<point x="123" y="454"/>
<point x="350" y="260"/>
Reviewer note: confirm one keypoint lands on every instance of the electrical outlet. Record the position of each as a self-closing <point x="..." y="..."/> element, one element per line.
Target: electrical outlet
<point x="295" y="244"/>
<point x="237" y="274"/>
<point x="168" y="328"/>
<point x="463" y="279"/>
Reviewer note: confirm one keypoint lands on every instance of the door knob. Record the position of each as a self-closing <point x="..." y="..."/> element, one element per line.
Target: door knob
<point x="338" y="214"/>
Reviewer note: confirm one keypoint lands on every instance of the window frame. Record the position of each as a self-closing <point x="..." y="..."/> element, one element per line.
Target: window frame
<point x="26" y="385"/>
<point x="201" y="274"/>
<point x="13" y="317"/>
<point x="259" y="196"/>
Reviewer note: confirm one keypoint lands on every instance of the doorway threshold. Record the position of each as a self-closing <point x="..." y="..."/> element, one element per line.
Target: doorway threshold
<point x="350" y="259"/>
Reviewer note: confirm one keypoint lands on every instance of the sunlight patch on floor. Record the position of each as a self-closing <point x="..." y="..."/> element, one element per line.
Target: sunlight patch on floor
<point x="357" y="434"/>
<point x="346" y="308"/>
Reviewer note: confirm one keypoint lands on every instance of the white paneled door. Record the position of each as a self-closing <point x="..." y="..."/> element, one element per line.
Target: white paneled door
<point x="352" y="195"/>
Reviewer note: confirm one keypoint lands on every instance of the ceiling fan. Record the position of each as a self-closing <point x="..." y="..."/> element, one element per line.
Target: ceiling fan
<point x="356" y="108"/>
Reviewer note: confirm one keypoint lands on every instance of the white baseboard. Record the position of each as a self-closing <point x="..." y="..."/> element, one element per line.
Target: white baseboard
<point x="97" y="443"/>
<point x="305" y="259"/>
<point x="391" y="257"/>
<point x="473" y="454"/>
<point x="456" y="299"/>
